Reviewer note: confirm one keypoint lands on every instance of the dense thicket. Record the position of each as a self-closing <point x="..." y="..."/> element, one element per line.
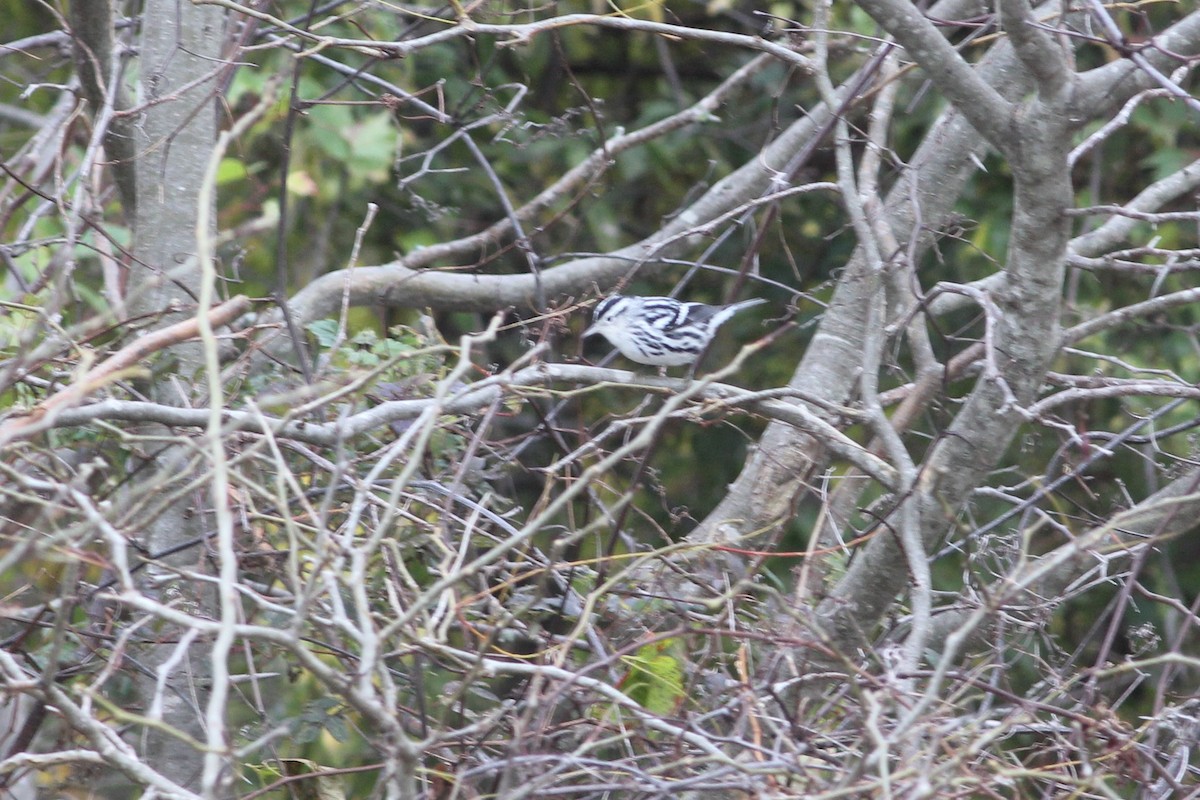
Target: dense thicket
<point x="308" y="485"/>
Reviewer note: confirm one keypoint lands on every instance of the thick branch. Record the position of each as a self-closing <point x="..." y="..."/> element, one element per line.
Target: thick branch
<point x="920" y="203"/>
<point x="1045" y="59"/>
<point x="966" y="90"/>
<point x="1024" y="336"/>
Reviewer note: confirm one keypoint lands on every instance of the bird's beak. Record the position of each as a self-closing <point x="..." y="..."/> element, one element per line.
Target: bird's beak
<point x="590" y="331"/>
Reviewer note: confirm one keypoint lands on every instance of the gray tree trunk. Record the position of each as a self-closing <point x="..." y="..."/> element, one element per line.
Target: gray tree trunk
<point x="178" y="66"/>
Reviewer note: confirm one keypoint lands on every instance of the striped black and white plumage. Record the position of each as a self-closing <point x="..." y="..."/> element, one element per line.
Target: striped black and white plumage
<point x="660" y="331"/>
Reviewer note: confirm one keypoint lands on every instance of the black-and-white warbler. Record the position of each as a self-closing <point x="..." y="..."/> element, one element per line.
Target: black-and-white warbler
<point x="660" y="331"/>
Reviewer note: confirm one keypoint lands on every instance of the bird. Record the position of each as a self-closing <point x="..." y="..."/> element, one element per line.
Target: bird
<point x="660" y="331"/>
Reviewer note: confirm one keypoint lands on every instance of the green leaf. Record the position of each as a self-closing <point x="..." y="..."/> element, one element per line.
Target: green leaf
<point x="372" y="143"/>
<point x="655" y="677"/>
<point x="324" y="331"/>
<point x="230" y="171"/>
<point x="365" y="338"/>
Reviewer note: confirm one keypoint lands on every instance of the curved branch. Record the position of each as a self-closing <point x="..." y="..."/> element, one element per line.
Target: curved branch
<point x="1131" y="388"/>
<point x="1150" y="199"/>
<point x="1104" y="89"/>
<point x="1128" y="313"/>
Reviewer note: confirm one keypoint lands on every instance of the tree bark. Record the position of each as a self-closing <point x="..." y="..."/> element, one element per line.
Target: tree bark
<point x="179" y="53"/>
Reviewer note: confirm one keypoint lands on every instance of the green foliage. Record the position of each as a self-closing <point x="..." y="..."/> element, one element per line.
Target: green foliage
<point x="403" y="355"/>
